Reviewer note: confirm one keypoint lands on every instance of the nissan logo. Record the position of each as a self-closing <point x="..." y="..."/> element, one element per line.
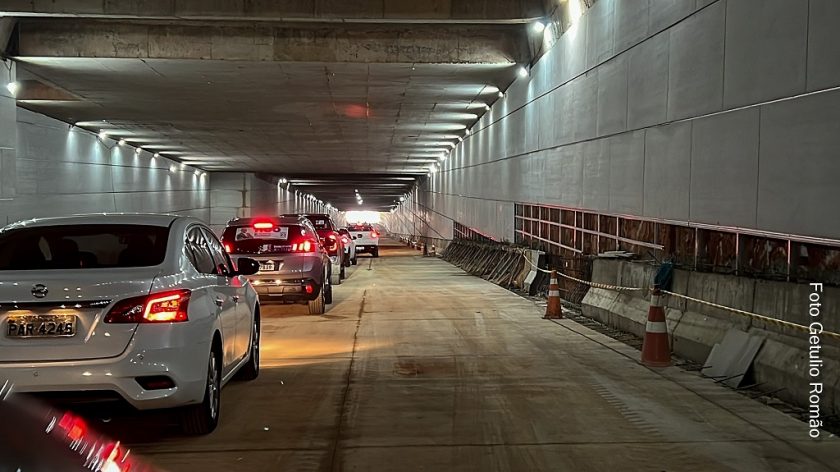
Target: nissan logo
<point x="39" y="291"/>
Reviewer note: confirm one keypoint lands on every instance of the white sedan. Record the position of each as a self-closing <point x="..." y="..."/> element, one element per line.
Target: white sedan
<point x="146" y="309"/>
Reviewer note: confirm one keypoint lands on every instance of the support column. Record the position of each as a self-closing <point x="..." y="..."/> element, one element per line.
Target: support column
<point x="8" y="133"/>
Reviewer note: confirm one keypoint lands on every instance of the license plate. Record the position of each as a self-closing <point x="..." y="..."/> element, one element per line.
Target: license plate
<point x="269" y="265"/>
<point x="40" y="326"/>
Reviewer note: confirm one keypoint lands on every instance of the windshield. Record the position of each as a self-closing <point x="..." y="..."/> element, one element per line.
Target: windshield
<point x="82" y="247"/>
<point x="321" y="222"/>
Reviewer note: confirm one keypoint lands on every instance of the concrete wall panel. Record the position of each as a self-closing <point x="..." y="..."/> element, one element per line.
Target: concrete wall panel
<point x="612" y="96"/>
<point x="724" y="169"/>
<point x="600" y="32"/>
<point x="627" y="173"/>
<point x="632" y="20"/>
<point x="584" y="109"/>
<point x="800" y="166"/>
<point x="648" y="82"/>
<point x="596" y="174"/>
<point x="765" y="50"/>
<point x="695" y="72"/>
<point x="823" y="44"/>
<point x="667" y="12"/>
<point x="668" y="171"/>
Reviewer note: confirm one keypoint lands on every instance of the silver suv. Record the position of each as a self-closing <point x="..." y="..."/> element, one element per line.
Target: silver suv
<point x="294" y="264"/>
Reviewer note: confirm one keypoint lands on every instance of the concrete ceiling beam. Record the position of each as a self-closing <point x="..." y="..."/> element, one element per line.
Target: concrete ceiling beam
<point x="462" y="44"/>
<point x="361" y="11"/>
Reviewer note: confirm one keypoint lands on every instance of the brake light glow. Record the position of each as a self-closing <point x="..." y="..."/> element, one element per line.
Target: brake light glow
<point x="74" y="426"/>
<point x="305" y="246"/>
<point x="332" y="242"/>
<point x="162" y="307"/>
<point x="374" y="234"/>
<point x="263" y="225"/>
<point x="228" y="248"/>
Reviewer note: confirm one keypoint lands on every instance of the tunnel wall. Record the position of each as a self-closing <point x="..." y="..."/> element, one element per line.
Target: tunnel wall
<point x="782" y="363"/>
<point x="58" y="170"/>
<point x="688" y="111"/>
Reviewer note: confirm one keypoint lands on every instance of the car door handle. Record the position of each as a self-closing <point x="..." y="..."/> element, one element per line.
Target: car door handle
<point x="220" y="301"/>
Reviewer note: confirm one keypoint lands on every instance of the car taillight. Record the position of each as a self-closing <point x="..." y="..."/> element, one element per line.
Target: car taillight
<point x="331" y="242"/>
<point x="345" y="240"/>
<point x="263" y="225"/>
<point x="304" y="246"/>
<point x="228" y="248"/>
<point x="73" y="426"/>
<point x="374" y="234"/>
<point x="162" y="307"/>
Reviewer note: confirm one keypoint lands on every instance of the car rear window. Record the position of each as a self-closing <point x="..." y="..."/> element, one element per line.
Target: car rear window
<point x="82" y="247"/>
<point x="249" y="240"/>
<point x="361" y="228"/>
<point x="320" y="222"/>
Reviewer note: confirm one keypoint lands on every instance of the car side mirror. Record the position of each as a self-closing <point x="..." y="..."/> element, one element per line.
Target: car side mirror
<point x="247" y="266"/>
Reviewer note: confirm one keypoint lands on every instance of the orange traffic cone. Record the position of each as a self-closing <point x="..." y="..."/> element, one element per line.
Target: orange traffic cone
<point x="656" y="351"/>
<point x="554" y="309"/>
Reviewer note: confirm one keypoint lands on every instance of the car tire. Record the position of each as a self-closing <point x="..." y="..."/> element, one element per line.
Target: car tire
<point x="335" y="277"/>
<point x="204" y="417"/>
<point x="376" y="252"/>
<point x="251" y="369"/>
<point x="328" y="294"/>
<point x="318" y="306"/>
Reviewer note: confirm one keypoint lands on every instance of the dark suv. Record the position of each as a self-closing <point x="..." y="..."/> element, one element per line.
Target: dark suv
<point x="331" y="239"/>
<point x="294" y="264"/>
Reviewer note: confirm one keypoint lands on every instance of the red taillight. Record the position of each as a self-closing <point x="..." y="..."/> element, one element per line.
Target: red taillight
<point x="264" y="225"/>
<point x="374" y="234"/>
<point x="162" y="307"/>
<point x="304" y="246"/>
<point x="74" y="426"/>
<point x="331" y="242"/>
<point x="309" y="288"/>
<point x="228" y="248"/>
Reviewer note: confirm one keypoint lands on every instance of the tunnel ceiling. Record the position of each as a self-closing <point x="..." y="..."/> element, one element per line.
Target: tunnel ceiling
<point x="368" y="103"/>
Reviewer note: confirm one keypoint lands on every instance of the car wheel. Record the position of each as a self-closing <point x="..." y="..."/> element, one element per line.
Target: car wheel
<point x="251" y="370"/>
<point x="328" y="294"/>
<point x="318" y="306"/>
<point x="335" y="277"/>
<point x="204" y="417"/>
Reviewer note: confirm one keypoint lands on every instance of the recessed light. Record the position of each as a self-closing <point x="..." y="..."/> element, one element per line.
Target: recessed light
<point x="121" y="142"/>
<point x="538" y="27"/>
<point x="522" y="71"/>
<point x="13" y="88"/>
<point x="103" y="134"/>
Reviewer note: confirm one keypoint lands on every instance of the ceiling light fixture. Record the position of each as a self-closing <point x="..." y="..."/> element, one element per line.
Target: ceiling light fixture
<point x="173" y="168"/>
<point x="501" y="94"/>
<point x="538" y="27"/>
<point x="13" y="88"/>
<point x="121" y="142"/>
<point x="522" y="71"/>
<point x="138" y="150"/>
<point x="155" y="155"/>
<point x="103" y="134"/>
<point x="487" y="107"/>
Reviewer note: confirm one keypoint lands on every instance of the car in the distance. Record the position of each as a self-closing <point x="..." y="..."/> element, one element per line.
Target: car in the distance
<point x="349" y="247"/>
<point x="146" y="310"/>
<point x="294" y="265"/>
<point x="366" y="238"/>
<point x="330" y="238"/>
